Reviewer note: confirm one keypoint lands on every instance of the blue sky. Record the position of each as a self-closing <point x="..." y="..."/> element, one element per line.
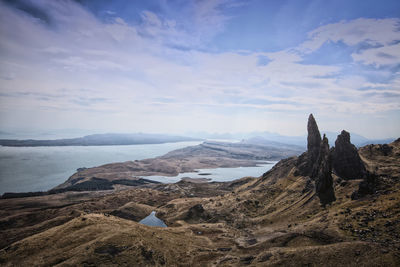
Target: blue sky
<point x="212" y="65"/>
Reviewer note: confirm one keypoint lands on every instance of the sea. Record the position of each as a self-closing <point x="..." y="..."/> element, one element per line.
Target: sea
<point x="29" y="169"/>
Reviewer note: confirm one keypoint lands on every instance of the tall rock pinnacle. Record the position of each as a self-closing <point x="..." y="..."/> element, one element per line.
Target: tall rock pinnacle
<point x="314" y="137"/>
<point x="317" y="163"/>
<point x="313" y="144"/>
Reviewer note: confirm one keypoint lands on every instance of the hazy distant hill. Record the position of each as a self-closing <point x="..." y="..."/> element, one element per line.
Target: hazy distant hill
<point x="261" y="141"/>
<point x="271" y="138"/>
<point x="101" y="140"/>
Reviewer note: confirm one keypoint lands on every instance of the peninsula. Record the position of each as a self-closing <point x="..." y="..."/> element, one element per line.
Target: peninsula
<point x="110" y="139"/>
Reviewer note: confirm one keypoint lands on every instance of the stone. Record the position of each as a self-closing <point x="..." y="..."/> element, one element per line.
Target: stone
<point x="366" y="186"/>
<point x="316" y="163"/>
<point x="323" y="176"/>
<point x="346" y="161"/>
<point x="306" y="161"/>
<point x="197" y="213"/>
<point x="313" y="142"/>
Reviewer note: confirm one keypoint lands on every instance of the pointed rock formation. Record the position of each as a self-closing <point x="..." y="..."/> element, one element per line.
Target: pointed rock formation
<point x="307" y="160"/>
<point x="313" y="146"/>
<point x="323" y="177"/>
<point x="313" y="140"/>
<point x="346" y="162"/>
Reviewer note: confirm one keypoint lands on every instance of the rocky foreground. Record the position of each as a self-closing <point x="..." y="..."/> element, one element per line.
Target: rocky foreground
<point x="327" y="207"/>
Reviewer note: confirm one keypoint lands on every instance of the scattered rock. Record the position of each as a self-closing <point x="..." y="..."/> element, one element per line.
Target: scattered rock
<point x="108" y="249"/>
<point x="147" y="254"/>
<point x="366" y="187"/>
<point x="265" y="257"/>
<point x="251" y="241"/>
<point x="308" y="187"/>
<point x="385" y="149"/>
<point x="247" y="260"/>
<point x="197" y="213"/>
<point x="224" y="249"/>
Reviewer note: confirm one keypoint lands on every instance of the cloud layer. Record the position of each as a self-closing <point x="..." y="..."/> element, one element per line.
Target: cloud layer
<point x="63" y="66"/>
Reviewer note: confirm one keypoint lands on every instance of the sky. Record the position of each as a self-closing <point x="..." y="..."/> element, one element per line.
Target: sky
<point x="176" y="66"/>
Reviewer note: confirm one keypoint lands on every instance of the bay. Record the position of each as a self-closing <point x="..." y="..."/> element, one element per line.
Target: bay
<point x="218" y="174"/>
<point x="25" y="169"/>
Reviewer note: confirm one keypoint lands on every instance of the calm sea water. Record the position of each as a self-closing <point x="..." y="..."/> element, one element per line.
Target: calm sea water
<point x="24" y="169"/>
<point x="218" y="174"/>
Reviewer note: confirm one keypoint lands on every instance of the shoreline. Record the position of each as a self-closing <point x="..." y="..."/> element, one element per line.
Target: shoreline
<point x="207" y="155"/>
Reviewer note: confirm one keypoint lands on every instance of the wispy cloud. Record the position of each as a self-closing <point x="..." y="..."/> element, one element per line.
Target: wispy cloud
<point x="160" y="70"/>
<point x="376" y="41"/>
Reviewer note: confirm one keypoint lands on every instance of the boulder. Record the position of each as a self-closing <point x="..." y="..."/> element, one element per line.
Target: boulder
<point x="366" y="187"/>
<point x="197" y="214"/>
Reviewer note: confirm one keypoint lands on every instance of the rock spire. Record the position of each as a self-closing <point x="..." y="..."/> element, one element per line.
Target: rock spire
<point x="317" y="164"/>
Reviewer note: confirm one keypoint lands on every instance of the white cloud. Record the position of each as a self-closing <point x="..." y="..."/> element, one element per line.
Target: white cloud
<point x="124" y="70"/>
<point x="371" y="31"/>
<point x="149" y="18"/>
<point x="378" y="37"/>
<point x="386" y="55"/>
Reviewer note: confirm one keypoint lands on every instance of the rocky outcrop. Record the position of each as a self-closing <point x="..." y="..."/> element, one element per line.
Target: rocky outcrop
<point x="197" y="214"/>
<point x="323" y="176"/>
<point x="313" y="141"/>
<point x="317" y="164"/>
<point x="348" y="165"/>
<point x="366" y="186"/>
<point x="307" y="161"/>
<point x="346" y="162"/>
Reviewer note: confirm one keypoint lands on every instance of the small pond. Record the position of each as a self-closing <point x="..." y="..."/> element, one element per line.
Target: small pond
<point x="152" y="220"/>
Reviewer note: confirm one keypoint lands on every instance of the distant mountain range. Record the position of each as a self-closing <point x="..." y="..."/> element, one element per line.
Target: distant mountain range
<point x="101" y="140"/>
<point x="268" y="138"/>
<point x="256" y="138"/>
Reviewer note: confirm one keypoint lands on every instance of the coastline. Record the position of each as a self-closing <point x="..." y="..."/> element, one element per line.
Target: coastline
<point x="208" y="155"/>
